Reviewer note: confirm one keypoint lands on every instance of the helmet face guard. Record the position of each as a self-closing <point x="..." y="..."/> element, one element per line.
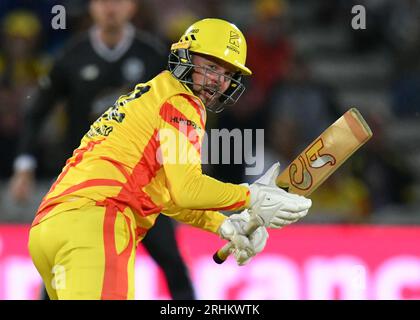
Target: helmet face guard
<point x="181" y="66"/>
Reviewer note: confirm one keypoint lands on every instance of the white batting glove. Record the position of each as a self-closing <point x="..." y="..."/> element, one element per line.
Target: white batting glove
<point x="258" y="240"/>
<point x="244" y="247"/>
<point x="233" y="225"/>
<point x="272" y="205"/>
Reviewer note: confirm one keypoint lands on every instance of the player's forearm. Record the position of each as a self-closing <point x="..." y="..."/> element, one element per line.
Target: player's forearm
<point x="203" y="192"/>
<point x="204" y="219"/>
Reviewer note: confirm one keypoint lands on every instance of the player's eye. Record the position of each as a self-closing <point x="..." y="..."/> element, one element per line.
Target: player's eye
<point x="212" y="67"/>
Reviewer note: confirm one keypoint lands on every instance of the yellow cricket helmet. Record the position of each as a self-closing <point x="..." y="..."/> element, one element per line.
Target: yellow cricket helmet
<point x="215" y="38"/>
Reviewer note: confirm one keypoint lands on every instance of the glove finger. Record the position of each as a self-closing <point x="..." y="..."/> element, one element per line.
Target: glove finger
<point x="297" y="205"/>
<point x="303" y="213"/>
<point x="298" y="215"/>
<point x="243" y="216"/>
<point x="276" y="197"/>
<point x="241" y="256"/>
<point x="259" y="239"/>
<point x="284" y="222"/>
<point x="286" y="215"/>
<point x="274" y="225"/>
<point x="246" y="261"/>
<point x="278" y="222"/>
<point x="239" y="226"/>
<point x="234" y="224"/>
<point x="291" y="215"/>
<point x="227" y="230"/>
<point x="260" y="232"/>
<point x="240" y="242"/>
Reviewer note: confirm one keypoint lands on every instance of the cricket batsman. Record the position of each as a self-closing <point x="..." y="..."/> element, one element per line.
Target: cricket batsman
<point x="142" y="157"/>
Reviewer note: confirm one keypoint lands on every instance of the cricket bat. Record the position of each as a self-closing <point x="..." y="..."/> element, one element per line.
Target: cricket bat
<point x="317" y="162"/>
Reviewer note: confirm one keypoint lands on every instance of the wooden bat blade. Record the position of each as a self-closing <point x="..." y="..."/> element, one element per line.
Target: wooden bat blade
<point x="326" y="154"/>
<point x="318" y="161"/>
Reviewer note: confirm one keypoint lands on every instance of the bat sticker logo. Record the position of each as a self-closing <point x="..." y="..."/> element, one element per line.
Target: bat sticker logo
<point x="315" y="160"/>
<point x="306" y="179"/>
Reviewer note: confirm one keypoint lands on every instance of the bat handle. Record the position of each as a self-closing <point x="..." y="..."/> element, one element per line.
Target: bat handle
<point x="223" y="253"/>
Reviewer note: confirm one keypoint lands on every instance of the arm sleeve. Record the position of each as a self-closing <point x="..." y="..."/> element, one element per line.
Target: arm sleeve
<point x="181" y="132"/>
<point x="50" y="89"/>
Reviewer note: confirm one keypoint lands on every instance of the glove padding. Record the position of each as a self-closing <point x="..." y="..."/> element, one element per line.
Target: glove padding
<point x="274" y="206"/>
<point x="244" y="247"/>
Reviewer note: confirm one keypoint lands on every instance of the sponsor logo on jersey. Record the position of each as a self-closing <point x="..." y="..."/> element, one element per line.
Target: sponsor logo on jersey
<point x="186" y="122"/>
<point x="96" y="130"/>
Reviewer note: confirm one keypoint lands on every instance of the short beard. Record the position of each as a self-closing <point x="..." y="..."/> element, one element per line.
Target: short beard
<point x="210" y="93"/>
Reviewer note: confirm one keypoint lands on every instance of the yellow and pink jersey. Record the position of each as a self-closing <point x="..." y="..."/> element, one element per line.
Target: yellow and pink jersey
<point x="144" y="154"/>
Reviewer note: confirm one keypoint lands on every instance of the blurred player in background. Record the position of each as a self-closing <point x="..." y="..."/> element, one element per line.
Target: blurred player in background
<point x="91" y="73"/>
<point x="21" y="65"/>
<point x="142" y="157"/>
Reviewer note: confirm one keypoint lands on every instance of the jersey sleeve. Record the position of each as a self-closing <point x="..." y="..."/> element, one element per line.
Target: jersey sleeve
<point x="181" y="133"/>
<point x="207" y="220"/>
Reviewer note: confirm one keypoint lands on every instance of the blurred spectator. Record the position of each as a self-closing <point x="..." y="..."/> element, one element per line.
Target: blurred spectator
<point x="270" y="53"/>
<point x="21" y="64"/>
<point x="404" y="37"/>
<point x="148" y="18"/>
<point x="406" y="94"/>
<point x="329" y="12"/>
<point x="343" y="197"/>
<point x="374" y="37"/>
<point x="300" y="109"/>
<point x="176" y="23"/>
<point x="383" y="169"/>
<point x="403" y="27"/>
